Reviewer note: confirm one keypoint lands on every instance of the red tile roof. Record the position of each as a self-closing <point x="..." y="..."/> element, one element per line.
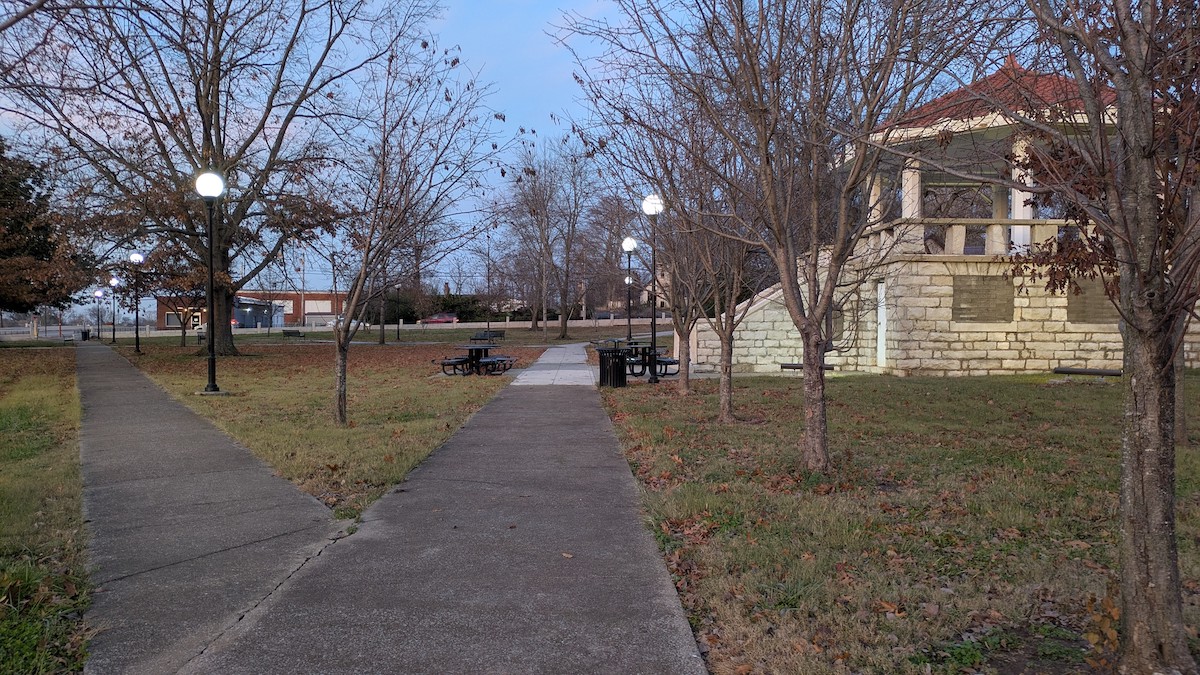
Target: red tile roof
<point x="1011" y="88"/>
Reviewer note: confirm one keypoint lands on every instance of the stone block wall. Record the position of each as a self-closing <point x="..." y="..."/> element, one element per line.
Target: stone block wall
<point x="934" y="306"/>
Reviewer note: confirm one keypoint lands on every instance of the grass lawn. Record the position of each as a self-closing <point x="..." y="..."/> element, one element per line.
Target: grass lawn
<point x="513" y="336"/>
<point x="43" y="582"/>
<point x="969" y="525"/>
<point x="401" y="407"/>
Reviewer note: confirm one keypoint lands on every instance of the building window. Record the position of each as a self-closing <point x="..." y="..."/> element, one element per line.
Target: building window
<point x="982" y="299"/>
<point x="1092" y="305"/>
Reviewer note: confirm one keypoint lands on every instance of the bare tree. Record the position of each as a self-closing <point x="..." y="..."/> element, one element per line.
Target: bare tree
<point x="795" y="89"/>
<point x="1120" y="147"/>
<point x="274" y="284"/>
<point x="601" y="262"/>
<point x="430" y="140"/>
<point x="16" y="12"/>
<point x="178" y="283"/>
<point x="135" y="97"/>
<point x="709" y="273"/>
<point x="548" y="200"/>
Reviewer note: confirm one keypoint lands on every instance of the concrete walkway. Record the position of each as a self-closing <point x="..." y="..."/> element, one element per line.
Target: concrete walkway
<point x="566" y="364"/>
<point x="517" y="547"/>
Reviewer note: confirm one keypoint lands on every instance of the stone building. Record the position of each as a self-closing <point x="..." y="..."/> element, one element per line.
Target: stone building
<point x="940" y="298"/>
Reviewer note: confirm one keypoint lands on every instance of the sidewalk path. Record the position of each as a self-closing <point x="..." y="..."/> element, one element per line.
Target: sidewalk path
<point x="188" y="530"/>
<point x="560" y="365"/>
<point x="517" y="547"/>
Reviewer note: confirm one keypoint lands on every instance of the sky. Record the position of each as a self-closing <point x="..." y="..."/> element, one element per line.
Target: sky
<point x="512" y="45"/>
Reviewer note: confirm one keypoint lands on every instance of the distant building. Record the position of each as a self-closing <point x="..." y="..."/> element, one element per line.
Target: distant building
<point x="258" y="309"/>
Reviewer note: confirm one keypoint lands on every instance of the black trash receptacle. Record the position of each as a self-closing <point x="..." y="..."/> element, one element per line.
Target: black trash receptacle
<point x="612" y="367"/>
<point x="85" y="335"/>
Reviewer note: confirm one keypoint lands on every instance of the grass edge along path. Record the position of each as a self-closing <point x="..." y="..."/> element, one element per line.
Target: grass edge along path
<point x="280" y="407"/>
<point x="44" y="586"/>
<point x="969" y="524"/>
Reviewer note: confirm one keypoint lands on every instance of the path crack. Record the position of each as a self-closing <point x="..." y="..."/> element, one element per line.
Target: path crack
<point x="266" y="596"/>
<point x="209" y="554"/>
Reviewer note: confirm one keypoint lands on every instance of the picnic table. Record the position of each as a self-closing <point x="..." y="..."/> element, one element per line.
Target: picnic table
<point x="478" y="361"/>
<point x="639" y="359"/>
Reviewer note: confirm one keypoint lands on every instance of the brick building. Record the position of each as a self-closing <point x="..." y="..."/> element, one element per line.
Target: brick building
<point x="257" y="309"/>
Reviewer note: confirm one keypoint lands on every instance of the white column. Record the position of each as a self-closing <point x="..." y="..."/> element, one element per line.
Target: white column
<point x="1020" y="209"/>
<point x="875" y="208"/>
<point x="881" y="321"/>
<point x="910" y="187"/>
<point x="956" y="239"/>
<point x="999" y="202"/>
<point x="996" y="241"/>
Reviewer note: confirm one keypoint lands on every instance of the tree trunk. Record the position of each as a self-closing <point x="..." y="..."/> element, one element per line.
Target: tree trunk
<point x="725" y="385"/>
<point x="339" y="377"/>
<point x="815" y="451"/>
<point x="564" y="315"/>
<point x="1181" y="430"/>
<point x="382" y="318"/>
<point x="219" y="328"/>
<point x="1152" y="628"/>
<point x="684" y="385"/>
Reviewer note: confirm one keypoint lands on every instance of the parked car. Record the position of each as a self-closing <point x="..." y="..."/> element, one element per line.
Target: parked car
<point x="441" y="317"/>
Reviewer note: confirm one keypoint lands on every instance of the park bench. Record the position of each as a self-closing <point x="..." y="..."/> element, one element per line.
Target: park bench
<point x="800" y="366"/>
<point x="487" y="336"/>
<point x="454" y="365"/>
<point x="637" y="358"/>
<point x="665" y="363"/>
<point x="494" y="365"/>
<point x="289" y="333"/>
<point x="1099" y="372"/>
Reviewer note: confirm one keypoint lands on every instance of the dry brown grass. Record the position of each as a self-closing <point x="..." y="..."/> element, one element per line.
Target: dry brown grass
<point x="965" y="528"/>
<point x="401" y="408"/>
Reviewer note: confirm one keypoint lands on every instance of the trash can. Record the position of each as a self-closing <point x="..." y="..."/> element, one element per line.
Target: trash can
<point x="612" y="366"/>
<point x="85" y="335"/>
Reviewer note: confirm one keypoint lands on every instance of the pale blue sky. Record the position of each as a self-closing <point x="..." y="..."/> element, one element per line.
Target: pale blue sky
<point x="510" y="44"/>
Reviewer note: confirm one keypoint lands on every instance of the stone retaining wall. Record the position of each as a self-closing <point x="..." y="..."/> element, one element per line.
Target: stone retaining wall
<point x="946" y="315"/>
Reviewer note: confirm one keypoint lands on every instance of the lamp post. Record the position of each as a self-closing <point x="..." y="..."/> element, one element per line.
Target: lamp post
<point x="488" y="305"/>
<point x="211" y="185"/>
<point x="399" y="319"/>
<point x="99" y="295"/>
<point x="137" y="259"/>
<point x="629" y="245"/>
<point x="113" y="282"/>
<point x="652" y="205"/>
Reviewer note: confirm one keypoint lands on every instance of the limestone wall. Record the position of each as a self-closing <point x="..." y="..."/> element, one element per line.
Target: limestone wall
<point x="946" y="315"/>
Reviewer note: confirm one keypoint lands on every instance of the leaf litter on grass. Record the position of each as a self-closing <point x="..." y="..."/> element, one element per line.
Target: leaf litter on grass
<point x="966" y="526"/>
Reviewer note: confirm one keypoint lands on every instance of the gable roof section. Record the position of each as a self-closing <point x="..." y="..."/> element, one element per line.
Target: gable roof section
<point x="1009" y="89"/>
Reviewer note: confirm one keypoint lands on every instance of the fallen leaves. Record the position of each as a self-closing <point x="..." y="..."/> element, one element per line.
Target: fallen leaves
<point x="891" y="610"/>
<point x="929" y="528"/>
